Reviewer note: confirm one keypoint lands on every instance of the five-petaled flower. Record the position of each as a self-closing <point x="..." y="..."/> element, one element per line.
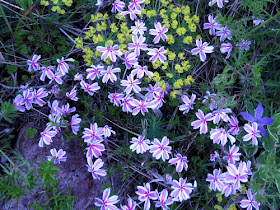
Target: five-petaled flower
<point x="131" y="84"/>
<point x="130" y="59"/>
<point x="46" y="136"/>
<point x="188" y="103"/>
<point x="111" y="51"/>
<point x="57" y="155"/>
<point x="139" y="144"/>
<point x="157" y="54"/>
<point x="221" y="136"/>
<point x="109" y="74"/>
<point x="160" y="149"/>
<point x="219" y="3"/>
<point x="250" y="202"/>
<point x="253" y="133"/>
<point x="90" y="89"/>
<point x="145" y="194"/>
<point x="62" y="66"/>
<point x="180" y="161"/>
<point x="236" y="175"/>
<point x="181" y="190"/>
<point x="202" y="122"/>
<point x="159" y="32"/>
<point x="138" y="28"/>
<point x="232" y="155"/>
<point x="216" y="180"/>
<point x="92" y="134"/>
<point x="224" y="33"/>
<point x="94" y="168"/>
<point x="202" y="49"/>
<point x="107" y="203"/>
<point x="212" y="25"/>
<point x="94" y="71"/>
<point x="226" y="47"/>
<point x="118" y="5"/>
<point x="138" y="44"/>
<point x="33" y="63"/>
<point x="163" y="200"/>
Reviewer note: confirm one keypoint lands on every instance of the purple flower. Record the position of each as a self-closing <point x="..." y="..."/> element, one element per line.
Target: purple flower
<point x="244" y="44"/>
<point x="33" y="63"/>
<point x="215" y="180"/>
<point x="258" y="118"/>
<point x="159" y="32"/>
<point x="181" y="190"/>
<point x="116" y="98"/>
<point x="130" y="59"/>
<point x="138" y="28"/>
<point x="202" y="49"/>
<point x="232" y="154"/>
<point x="212" y="25"/>
<point x="226" y="47"/>
<point x="224" y="33"/>
<point x="253" y="133"/>
<point x="118" y="5"/>
<point x="94" y="168"/>
<point x="219" y="3"/>
<point x="111" y="52"/>
<point x="251" y="202"/>
<point x="157" y="54"/>
<point x="135" y="4"/>
<point x="107" y="203"/>
<point x="139" y="144"/>
<point x="163" y="200"/>
<point x="138" y="44"/>
<point x="57" y="155"/>
<point x="109" y="74"/>
<point x="145" y="194"/>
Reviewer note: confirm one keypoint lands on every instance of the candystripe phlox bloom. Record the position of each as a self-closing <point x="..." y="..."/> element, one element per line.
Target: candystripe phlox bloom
<point x="47" y="71"/>
<point x="236" y="175"/>
<point x="63" y="67"/>
<point x="181" y="190"/>
<point x="33" y="63"/>
<point x="159" y="32"/>
<point x="131" y="205"/>
<point x="138" y="44"/>
<point x="209" y="98"/>
<point x="107" y="203"/>
<point x="253" y="133"/>
<point x="75" y="124"/>
<point x="157" y="54"/>
<point x="221" y="136"/>
<point x="90" y="89"/>
<point x="141" y="105"/>
<point x="188" y="103"/>
<point x="163" y="200"/>
<point x="38" y="95"/>
<point x="233" y="123"/>
<point x="111" y="52"/>
<point x="94" y="168"/>
<point x="109" y="74"/>
<point x="46" y="136"/>
<point x="226" y="47"/>
<point x="94" y="71"/>
<point x="107" y="131"/>
<point x="72" y="94"/>
<point x="180" y="161"/>
<point x="130" y="60"/>
<point x="138" y="28"/>
<point x="65" y="109"/>
<point x="95" y="148"/>
<point x="221" y="114"/>
<point x="135" y="4"/>
<point x="126" y="103"/>
<point x="139" y="144"/>
<point x="212" y="25"/>
<point x="250" y="202"/>
<point x="57" y="155"/>
<point x="140" y="71"/>
<point x="161" y="149"/>
<point x="224" y="33"/>
<point x="216" y="180"/>
<point x="118" y="5"/>
<point x="57" y="77"/>
<point x="18" y="102"/>
<point x="145" y="194"/>
<point x="228" y="189"/>
<point x="219" y="3"/>
<point x="132" y="13"/>
<point x="92" y="134"/>
<point x="27" y="99"/>
<point x="232" y="155"/>
<point x="202" y="49"/>
<point x="115" y="98"/>
<point x="202" y="122"/>
<point x="131" y="84"/>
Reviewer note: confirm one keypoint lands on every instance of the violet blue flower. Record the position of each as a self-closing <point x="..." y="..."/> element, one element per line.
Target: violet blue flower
<point x="258" y="119"/>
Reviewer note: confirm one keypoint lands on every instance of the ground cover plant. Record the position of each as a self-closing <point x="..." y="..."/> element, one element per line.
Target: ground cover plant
<point x="175" y="104"/>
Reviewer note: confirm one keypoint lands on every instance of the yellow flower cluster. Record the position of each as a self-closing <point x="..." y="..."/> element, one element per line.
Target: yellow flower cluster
<point x="99" y="16"/>
<point x="151" y="13"/>
<point x="156" y="64"/>
<point x="88" y="56"/>
<point x="79" y="42"/>
<point x="102" y="26"/>
<point x="188" y="40"/>
<point x="170" y="39"/>
<point x="178" y="84"/>
<point x="156" y="77"/>
<point x="181" y="31"/>
<point x="174" y="93"/>
<point x="97" y="39"/>
<point x="90" y="32"/>
<point x="114" y="28"/>
<point x="189" y="80"/>
<point x="162" y="85"/>
<point x="56" y="5"/>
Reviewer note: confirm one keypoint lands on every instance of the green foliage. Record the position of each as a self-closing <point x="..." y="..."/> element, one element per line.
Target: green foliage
<point x="8" y="111"/>
<point x="31" y="132"/>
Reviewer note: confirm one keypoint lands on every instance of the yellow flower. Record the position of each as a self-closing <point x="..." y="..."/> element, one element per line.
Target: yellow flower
<point x="171" y="56"/>
<point x="169" y="75"/>
<point x="181" y="55"/>
<point x="147" y="1"/>
<point x="120" y="17"/>
<point x="170" y="39"/>
<point x="166" y="23"/>
<point x="173" y="93"/>
<point x="173" y="16"/>
<point x="114" y="28"/>
<point x="177" y="9"/>
<point x="186" y="10"/>
<point x="143" y="11"/>
<point x="187" y="19"/>
<point x="79" y="42"/>
<point x="156" y="77"/>
<point x="195" y="19"/>
<point x="165" y="65"/>
<point x="162" y="12"/>
<point x="162" y="85"/>
<point x="55" y="1"/>
<point x="174" y="24"/>
<point x="189" y="80"/>
<point x="192" y="27"/>
<point x="165" y="2"/>
<point x="97" y="39"/>
<point x="104" y="25"/>
<point x="108" y="61"/>
<point x="109" y="43"/>
<point x="187" y="40"/>
<point x="123" y="48"/>
<point x="181" y="31"/>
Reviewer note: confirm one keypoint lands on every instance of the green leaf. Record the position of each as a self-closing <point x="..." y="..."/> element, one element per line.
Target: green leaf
<point x="25" y="49"/>
<point x="31" y="132"/>
<point x="12" y="69"/>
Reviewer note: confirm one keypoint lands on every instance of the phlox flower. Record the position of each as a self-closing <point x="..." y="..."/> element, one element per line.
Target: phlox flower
<point x="131" y="205"/>
<point x="232" y="155"/>
<point x="157" y="54"/>
<point x="18" y="102"/>
<point x="132" y="13"/>
<point x="57" y="77"/>
<point x="221" y="114"/>
<point x="107" y="203"/>
<point x="202" y="122"/>
<point x="212" y="25"/>
<point x="188" y="103"/>
<point x="250" y="202"/>
<point x="94" y="168"/>
<point x="107" y="131"/>
<point x="47" y="71"/>
<point x="258" y="118"/>
<point x="33" y="63"/>
<point x="118" y="5"/>
<point x="75" y="123"/>
<point x="140" y="71"/>
<point x="53" y="106"/>
<point x="135" y="4"/>
<point x="244" y="44"/>
<point x="226" y="47"/>
<point x="140" y="105"/>
<point x="130" y="60"/>
<point x="180" y="161"/>
<point x="138" y="44"/>
<point x="181" y="190"/>
<point x="55" y="121"/>
<point x="72" y="94"/>
<point x="219" y="3"/>
<point x="158" y="101"/>
<point x="159" y="32"/>
<point x="126" y="103"/>
<point x="145" y="194"/>
<point x="236" y="175"/>
<point x="131" y="84"/>
<point x="253" y="133"/>
<point x="209" y="98"/>
<point x="163" y="200"/>
<point x="90" y="89"/>
<point x="224" y="33"/>
<point x="27" y="99"/>
<point x="202" y="49"/>
<point x="95" y="148"/>
<point x="138" y="28"/>
<point x="57" y="155"/>
<point x="65" y="109"/>
<point x="257" y="21"/>
<point x="248" y="167"/>
<point x="216" y="180"/>
<point x="109" y="74"/>
<point x="214" y="155"/>
<point x="63" y="67"/>
<point x="161" y="149"/>
<point x="139" y="144"/>
<point x="115" y="98"/>
<point x="228" y="189"/>
<point x="46" y="136"/>
<point x="38" y="95"/>
<point x="94" y="71"/>
<point x="221" y="136"/>
<point x="111" y="51"/>
<point x="92" y="134"/>
<point x="152" y="91"/>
